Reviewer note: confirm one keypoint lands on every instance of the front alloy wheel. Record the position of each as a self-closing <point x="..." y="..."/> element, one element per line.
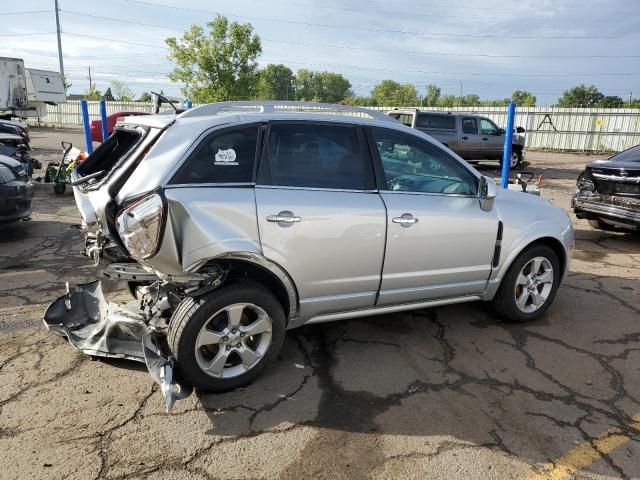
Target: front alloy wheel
<point x="529" y="286"/>
<point x="534" y="284"/>
<point x="224" y="339"/>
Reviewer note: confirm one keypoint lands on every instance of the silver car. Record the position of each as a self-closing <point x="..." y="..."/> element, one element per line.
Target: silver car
<point x="234" y="222"/>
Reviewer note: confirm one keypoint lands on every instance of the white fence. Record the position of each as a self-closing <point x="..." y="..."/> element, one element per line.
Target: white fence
<point x="573" y="129"/>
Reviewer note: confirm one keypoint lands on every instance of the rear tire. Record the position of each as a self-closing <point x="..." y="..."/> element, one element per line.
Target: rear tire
<point x="59" y="188"/>
<point x="529" y="286"/>
<point x="212" y="341"/>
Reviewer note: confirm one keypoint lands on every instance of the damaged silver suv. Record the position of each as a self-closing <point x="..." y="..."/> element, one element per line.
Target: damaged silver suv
<point x="234" y="222"/>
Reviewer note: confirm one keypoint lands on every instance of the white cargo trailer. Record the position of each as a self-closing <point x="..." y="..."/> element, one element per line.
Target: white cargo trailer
<point x="27" y="92"/>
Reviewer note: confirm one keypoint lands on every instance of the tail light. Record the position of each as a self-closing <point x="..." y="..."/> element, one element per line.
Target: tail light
<point x="140" y="226"/>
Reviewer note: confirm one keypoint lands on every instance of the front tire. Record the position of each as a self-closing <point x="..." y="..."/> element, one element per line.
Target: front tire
<point x="223" y="340"/>
<point x="529" y="286"/>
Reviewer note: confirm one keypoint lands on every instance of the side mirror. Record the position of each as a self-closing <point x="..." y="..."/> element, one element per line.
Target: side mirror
<point x="501" y="131"/>
<point x="520" y="129"/>
<point x="487" y="193"/>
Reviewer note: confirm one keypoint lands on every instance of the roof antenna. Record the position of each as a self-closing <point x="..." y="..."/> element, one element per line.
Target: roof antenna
<point x="157" y="99"/>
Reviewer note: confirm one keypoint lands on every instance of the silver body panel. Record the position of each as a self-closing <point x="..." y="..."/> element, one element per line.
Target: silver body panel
<point x="345" y="255"/>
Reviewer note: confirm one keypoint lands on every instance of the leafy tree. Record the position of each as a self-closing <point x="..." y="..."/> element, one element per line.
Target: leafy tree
<point x="121" y="92"/>
<point x="390" y="93"/>
<point x="145" y="97"/>
<point x="66" y="83"/>
<point x="448" y="101"/>
<point x="92" y="93"/>
<point x="523" y="98"/>
<point x="611" y="101"/>
<point x="581" y="96"/>
<point x="433" y="95"/>
<point x="275" y="82"/>
<point x="217" y="65"/>
<point x="108" y="95"/>
<point x="326" y="87"/>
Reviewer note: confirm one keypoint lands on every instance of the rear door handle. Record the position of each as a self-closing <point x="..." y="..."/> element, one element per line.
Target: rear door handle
<point x="283" y="217"/>
<point x="485" y="138"/>
<point x="406" y="220"/>
<point x="465" y="138"/>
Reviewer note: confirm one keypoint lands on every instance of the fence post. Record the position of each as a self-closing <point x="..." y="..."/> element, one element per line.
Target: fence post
<point x="508" y="141"/>
<point x="87" y="127"/>
<point x="103" y="119"/>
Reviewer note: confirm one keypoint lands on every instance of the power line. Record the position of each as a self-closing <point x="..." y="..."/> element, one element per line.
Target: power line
<point x="379" y="30"/>
<point x="112" y="40"/>
<point x="28" y="12"/>
<point x="25" y="34"/>
<point x="357" y="48"/>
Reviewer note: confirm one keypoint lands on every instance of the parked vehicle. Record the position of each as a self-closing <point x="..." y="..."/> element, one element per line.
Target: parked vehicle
<point x="16" y="191"/>
<point x="608" y="192"/>
<point x="15" y="128"/>
<point x="15" y="146"/>
<point x="96" y="125"/>
<point x="470" y="136"/>
<point x="246" y="219"/>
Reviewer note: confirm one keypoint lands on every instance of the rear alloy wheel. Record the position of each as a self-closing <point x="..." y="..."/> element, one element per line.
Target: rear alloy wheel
<point x="223" y="340"/>
<point x="529" y="286"/>
<point x="516" y="158"/>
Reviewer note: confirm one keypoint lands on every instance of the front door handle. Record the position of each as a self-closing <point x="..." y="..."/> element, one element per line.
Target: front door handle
<point x="283" y="217"/>
<point x="465" y="138"/>
<point x="485" y="138"/>
<point x="406" y="220"/>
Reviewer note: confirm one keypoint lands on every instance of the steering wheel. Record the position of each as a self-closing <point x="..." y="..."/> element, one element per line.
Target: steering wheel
<point x="402" y="183"/>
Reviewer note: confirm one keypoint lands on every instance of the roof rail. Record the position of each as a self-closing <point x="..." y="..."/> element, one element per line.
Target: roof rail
<point x="284" y="107"/>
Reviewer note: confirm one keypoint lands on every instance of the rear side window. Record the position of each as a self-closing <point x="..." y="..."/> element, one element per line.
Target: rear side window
<point x="403" y="118"/>
<point x="469" y="125"/>
<point x="437" y="122"/>
<point x="315" y="156"/>
<point x="105" y="157"/>
<point x="226" y="156"/>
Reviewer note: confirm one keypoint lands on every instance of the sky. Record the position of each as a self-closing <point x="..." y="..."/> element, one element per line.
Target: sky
<point x="486" y="48"/>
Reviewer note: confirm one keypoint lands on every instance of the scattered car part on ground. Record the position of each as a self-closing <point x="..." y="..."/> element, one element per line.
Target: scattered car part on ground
<point x="257" y="217"/>
<point x="16" y="191"/>
<point x="470" y="136"/>
<point x="608" y="192"/>
<point x="96" y="125"/>
<point x="59" y="173"/>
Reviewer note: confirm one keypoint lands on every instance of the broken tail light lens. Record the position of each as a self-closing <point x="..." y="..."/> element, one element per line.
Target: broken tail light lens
<point x="140" y="226"/>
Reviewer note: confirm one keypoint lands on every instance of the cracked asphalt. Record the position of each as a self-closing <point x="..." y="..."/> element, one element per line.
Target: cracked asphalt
<point x="449" y="392"/>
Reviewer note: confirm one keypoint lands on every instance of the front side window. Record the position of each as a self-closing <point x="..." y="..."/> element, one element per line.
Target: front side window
<point x="469" y="125"/>
<point x="315" y="156"/>
<point x="413" y="165"/>
<point x="226" y="156"/>
<point x="488" y="127"/>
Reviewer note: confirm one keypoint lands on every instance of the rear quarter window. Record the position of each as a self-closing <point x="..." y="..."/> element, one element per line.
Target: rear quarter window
<point x="226" y="156"/>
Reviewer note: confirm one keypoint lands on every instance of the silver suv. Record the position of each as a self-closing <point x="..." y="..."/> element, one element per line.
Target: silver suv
<point x="234" y="222"/>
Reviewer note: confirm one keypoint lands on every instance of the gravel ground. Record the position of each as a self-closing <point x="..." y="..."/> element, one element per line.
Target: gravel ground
<point x="447" y="393"/>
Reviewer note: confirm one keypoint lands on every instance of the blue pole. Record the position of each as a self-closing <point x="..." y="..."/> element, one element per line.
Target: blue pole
<point x="508" y="142"/>
<point x="103" y="119"/>
<point x="85" y="124"/>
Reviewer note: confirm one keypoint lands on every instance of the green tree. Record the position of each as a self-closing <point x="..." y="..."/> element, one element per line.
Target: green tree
<point x="389" y="93"/>
<point x="145" y="97"/>
<point x="448" y="101"/>
<point x="432" y="96"/>
<point x="581" y="96"/>
<point x="326" y="87"/>
<point x="121" y="92"/>
<point x="217" y="65"/>
<point x="611" y="101"/>
<point x="275" y="82"/>
<point x="92" y="93"/>
<point x="108" y="95"/>
<point x="523" y="98"/>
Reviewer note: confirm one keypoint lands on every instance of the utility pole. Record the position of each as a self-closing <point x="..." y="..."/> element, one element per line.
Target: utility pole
<point x="630" y="98"/>
<point x="460" y="99"/>
<point x="89" y="77"/>
<point x="59" y="41"/>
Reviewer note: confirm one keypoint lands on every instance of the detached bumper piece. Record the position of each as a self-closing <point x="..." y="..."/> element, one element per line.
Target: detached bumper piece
<point x="99" y="328"/>
<point x="616" y="209"/>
